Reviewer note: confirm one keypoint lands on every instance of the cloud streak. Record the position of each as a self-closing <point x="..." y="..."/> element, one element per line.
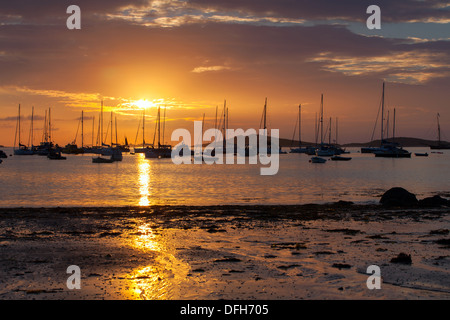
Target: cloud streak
<point x="210" y="69"/>
<point x="413" y="67"/>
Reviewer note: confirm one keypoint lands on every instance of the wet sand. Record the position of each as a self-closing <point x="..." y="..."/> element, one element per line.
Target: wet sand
<point x="224" y="252"/>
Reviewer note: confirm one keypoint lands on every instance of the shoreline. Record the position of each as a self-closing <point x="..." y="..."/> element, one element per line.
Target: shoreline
<point x="224" y="252"/>
<point x="334" y="210"/>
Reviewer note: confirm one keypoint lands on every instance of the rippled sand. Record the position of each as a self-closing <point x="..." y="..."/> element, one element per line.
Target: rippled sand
<point x="230" y="252"/>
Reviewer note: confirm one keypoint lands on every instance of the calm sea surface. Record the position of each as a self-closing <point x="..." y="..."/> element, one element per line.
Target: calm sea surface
<point x="34" y="181"/>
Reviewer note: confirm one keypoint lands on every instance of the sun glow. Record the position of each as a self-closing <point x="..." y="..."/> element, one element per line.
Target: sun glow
<point x="143" y="104"/>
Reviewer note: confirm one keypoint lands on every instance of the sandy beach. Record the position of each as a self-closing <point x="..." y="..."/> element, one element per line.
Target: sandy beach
<point x="224" y="252"/>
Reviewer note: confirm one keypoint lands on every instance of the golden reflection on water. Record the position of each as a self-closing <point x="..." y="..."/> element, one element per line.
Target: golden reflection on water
<point x="144" y="181"/>
<point x="161" y="280"/>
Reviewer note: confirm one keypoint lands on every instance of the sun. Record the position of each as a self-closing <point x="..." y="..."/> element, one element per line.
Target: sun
<point x="143" y="104"/>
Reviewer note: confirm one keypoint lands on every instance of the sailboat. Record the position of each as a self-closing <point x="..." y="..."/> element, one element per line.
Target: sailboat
<point x="198" y="152"/>
<point x="72" y="148"/>
<point x="386" y="149"/>
<point x="116" y="150"/>
<point x="23" y="150"/>
<point x="102" y="151"/>
<point x="374" y="149"/>
<point x="120" y="147"/>
<point x="162" y="151"/>
<point x="143" y="149"/>
<point x="264" y="121"/>
<point x="440" y="145"/>
<point x="112" y="150"/>
<point x="46" y="145"/>
<point x="325" y="150"/>
<point x="299" y="149"/>
<point x="199" y="156"/>
<point x="390" y="149"/>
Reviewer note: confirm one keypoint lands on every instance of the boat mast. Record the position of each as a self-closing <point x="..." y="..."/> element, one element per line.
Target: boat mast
<point x="143" y="128"/>
<point x="30" y="139"/>
<point x="44" y="137"/>
<point x="159" y="127"/>
<point x="111" y="129"/>
<point x="300" y="126"/>
<point x="203" y="124"/>
<point x="387" y="125"/>
<point x="101" y="125"/>
<point x="336" y="142"/>
<point x="93" y="128"/>
<point x="215" y="126"/>
<point x="316" y="129"/>
<point x="82" y="129"/>
<point x="19" y="126"/>
<point x="382" y="114"/>
<point x="32" y="126"/>
<point x="329" y="134"/>
<point x="224" y="122"/>
<point x="265" y="116"/>
<point x="117" y="140"/>
<point x="393" y="129"/>
<point x="215" y="120"/>
<point x="49" y="125"/>
<point x="98" y="141"/>
<point x="228" y="124"/>
<point x="321" y="120"/>
<point x="439" y="129"/>
<point x="201" y="137"/>
<point x="164" y="125"/>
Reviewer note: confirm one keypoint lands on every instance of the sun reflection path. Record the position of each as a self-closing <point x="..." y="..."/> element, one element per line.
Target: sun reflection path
<point x="161" y="280"/>
<point x="144" y="181"/>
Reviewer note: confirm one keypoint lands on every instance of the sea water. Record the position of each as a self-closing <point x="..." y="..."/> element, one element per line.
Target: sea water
<point x="35" y="181"/>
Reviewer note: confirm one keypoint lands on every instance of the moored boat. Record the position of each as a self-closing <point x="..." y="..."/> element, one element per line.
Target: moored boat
<point x="300" y="149"/>
<point x="392" y="151"/>
<point x="325" y="152"/>
<point x="369" y="149"/>
<point x="317" y="160"/>
<point x="55" y="156"/>
<point x="102" y="160"/>
<point x="23" y="150"/>
<point x="440" y="145"/>
<point x="388" y="149"/>
<point x="339" y="158"/>
<point x="161" y="151"/>
<point x="72" y="148"/>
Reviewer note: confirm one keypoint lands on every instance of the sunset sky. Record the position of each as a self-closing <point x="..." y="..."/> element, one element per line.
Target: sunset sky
<point x="192" y="55"/>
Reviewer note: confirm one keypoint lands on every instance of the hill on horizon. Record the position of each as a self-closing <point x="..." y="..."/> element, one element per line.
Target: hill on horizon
<point x="403" y="141"/>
